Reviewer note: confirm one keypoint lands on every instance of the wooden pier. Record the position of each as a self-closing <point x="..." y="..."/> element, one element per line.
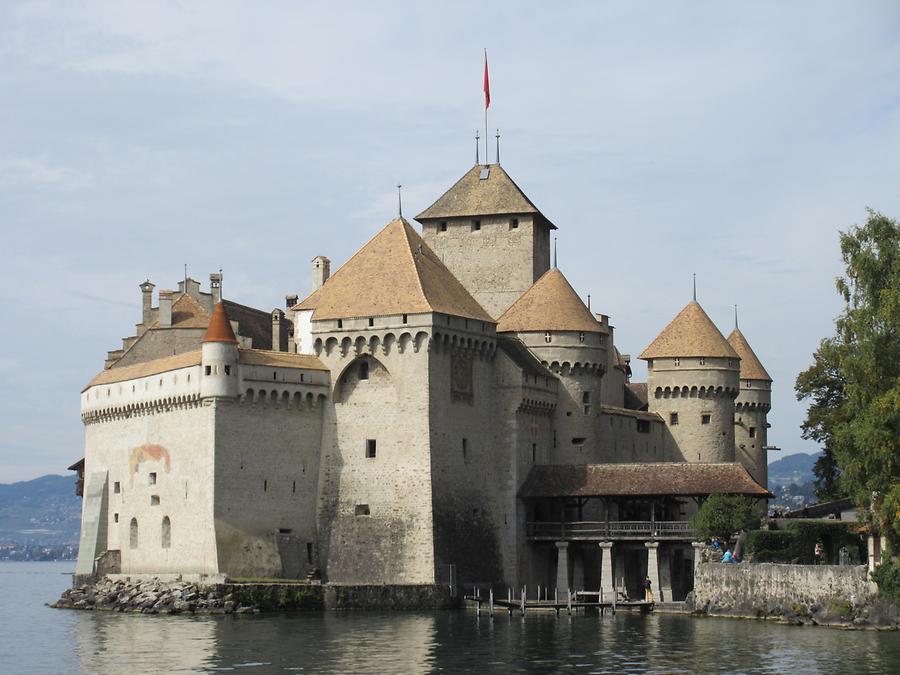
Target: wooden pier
<point x="570" y="602"/>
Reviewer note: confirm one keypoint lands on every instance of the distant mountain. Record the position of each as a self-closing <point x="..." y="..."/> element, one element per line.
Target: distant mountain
<point x="796" y="468"/>
<point x="44" y="511"/>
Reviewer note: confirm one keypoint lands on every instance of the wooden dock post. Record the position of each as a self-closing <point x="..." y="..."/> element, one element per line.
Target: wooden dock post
<point x="523" y="599"/>
<point x="491" y="602"/>
<point x="569" y="604"/>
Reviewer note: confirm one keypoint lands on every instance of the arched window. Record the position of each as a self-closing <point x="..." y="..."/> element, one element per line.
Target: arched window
<point x="166" y="533"/>
<point x="133" y="534"/>
<point x="364" y="370"/>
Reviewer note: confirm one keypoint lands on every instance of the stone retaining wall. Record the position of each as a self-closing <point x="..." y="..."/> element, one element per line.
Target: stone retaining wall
<point x="824" y="594"/>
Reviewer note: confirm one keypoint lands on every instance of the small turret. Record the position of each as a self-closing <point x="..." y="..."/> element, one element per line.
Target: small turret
<point x="692" y="381"/>
<point x="219" y="358"/>
<point x="753" y="403"/>
<point x="146" y="302"/>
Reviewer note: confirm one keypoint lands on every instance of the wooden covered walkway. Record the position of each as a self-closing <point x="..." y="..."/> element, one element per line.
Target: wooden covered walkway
<point x="572" y="602"/>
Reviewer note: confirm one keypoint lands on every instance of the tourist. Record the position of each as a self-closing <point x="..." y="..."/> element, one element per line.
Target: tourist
<point x="648" y="590"/>
<point x="728" y="557"/>
<point x="818" y="552"/>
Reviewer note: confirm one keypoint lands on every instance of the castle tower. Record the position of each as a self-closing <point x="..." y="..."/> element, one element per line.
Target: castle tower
<point x="692" y="381"/>
<point x="219" y="358"/>
<point x="490" y="235"/>
<point x="557" y="327"/>
<point x="751" y="408"/>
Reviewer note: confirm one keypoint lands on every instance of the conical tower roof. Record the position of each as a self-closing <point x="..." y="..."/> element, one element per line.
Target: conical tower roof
<point x="550" y="304"/>
<point x="219" y="329"/>
<point x="482" y="191"/>
<point x="690" y="333"/>
<point x="751" y="368"/>
<point x="395" y="273"/>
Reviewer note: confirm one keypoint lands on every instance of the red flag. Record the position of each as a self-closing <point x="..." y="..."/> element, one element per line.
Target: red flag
<point x="487" y="84"/>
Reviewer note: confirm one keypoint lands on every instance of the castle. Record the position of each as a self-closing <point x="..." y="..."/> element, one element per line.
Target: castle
<point x="444" y="408"/>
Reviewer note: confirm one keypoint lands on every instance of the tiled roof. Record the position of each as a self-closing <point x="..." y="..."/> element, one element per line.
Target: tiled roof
<point x="550" y="304"/>
<point x="630" y="412"/>
<point x="751" y="368"/>
<point x="638" y="480"/>
<point x="311" y="301"/>
<point x="154" y="367"/>
<point x="395" y="273"/>
<point x="261" y="357"/>
<point x="691" y="333"/>
<point x="472" y="196"/>
<point x="188" y="313"/>
<point x="636" y="395"/>
<point x="516" y="350"/>
<point x="219" y="329"/>
<point x="252" y="323"/>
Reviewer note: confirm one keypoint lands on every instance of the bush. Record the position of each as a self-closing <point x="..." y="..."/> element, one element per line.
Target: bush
<point x="771" y="545"/>
<point x="887" y="576"/>
<point x="722" y="515"/>
<point x="833" y="535"/>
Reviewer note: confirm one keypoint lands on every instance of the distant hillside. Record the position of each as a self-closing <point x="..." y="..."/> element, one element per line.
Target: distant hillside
<point x="43" y="511"/>
<point x="796" y="468"/>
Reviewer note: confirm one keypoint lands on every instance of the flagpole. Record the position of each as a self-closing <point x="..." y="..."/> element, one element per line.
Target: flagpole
<point x="487" y="103"/>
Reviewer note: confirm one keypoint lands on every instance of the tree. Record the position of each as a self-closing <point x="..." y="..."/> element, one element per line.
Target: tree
<point x="722" y="515"/>
<point x="854" y="382"/>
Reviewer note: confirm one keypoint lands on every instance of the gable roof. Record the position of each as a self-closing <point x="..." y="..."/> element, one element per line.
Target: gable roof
<point x="751" y="368"/>
<point x="311" y="301"/>
<point x="472" y="196"/>
<point x="690" y="333"/>
<point x="637" y="480"/>
<point x="219" y="329"/>
<point x="395" y="273"/>
<point x="550" y="304"/>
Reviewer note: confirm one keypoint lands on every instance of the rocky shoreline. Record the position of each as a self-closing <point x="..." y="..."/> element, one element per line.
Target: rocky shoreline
<point x="153" y="597"/>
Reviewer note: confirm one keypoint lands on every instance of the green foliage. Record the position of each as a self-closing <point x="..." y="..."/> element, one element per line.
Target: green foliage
<point x="854" y="383"/>
<point x="722" y="516"/>
<point x="887" y="576"/>
<point x="796" y="543"/>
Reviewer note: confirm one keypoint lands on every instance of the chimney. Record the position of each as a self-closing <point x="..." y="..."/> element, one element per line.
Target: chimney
<point x="321" y="271"/>
<point x="290" y="300"/>
<point x="215" y="287"/>
<point x="146" y="301"/>
<point x="165" y="309"/>
<point x="277" y="316"/>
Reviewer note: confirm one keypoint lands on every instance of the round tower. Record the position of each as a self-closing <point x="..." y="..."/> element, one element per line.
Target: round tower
<point x="751" y="409"/>
<point x="557" y="327"/>
<point x="219" y="358"/>
<point x="692" y="382"/>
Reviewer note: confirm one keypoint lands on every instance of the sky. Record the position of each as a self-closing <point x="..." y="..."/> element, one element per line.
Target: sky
<point x="731" y="140"/>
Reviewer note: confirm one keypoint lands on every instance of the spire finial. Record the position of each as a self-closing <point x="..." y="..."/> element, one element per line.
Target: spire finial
<point x="185" y="277"/>
<point x="554" y="253"/>
<point x="695" y="287"/>
<point x="477" y="139"/>
<point x="498" y="146"/>
<point x="735" y="318"/>
<point x="400" y="199"/>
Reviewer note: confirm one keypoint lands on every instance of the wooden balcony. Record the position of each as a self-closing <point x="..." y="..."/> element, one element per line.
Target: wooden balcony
<point x="642" y="530"/>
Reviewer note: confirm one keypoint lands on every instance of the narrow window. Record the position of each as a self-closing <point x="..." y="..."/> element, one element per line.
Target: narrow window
<point x="476" y="225"/>
<point x="117" y="487"/>
<point x="746" y="384"/>
<point x="673" y="419"/>
<point x="465" y="448"/>
<point x="301" y="377"/>
<point x="151" y="478"/>
<point x="208" y="370"/>
<point x="554" y="438"/>
<point x="166" y="534"/>
<point x="602" y="339"/>
<point x="443" y="226"/>
<point x="405" y="318"/>
<point x="309" y="552"/>
<point x="578" y="440"/>
<point x="548" y="337"/>
<point x="514" y="223"/>
<point x="228" y="370"/>
<point x="364" y="370"/>
<point x="702" y="361"/>
<point x="581" y="337"/>
<point x="115" y="517"/>
<point x="533" y="453"/>
<point x="371" y="322"/>
<point x="752" y="432"/>
<point x="294" y="486"/>
<point x="362" y="510"/>
<point x="448" y="320"/>
<point x="285" y="530"/>
<point x="705" y="418"/>
<point x="585" y="397"/>
<point x="154" y="500"/>
<point x="266" y="485"/>
<point x="340" y="323"/>
<point x="643" y="426"/>
<point x="133" y="534"/>
<point x="649" y="364"/>
<point x="370" y="448"/>
<point x="677" y="361"/>
<point x="274" y="375"/>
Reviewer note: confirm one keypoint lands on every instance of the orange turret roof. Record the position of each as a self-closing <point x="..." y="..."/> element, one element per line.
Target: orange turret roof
<point x="690" y="333"/>
<point x="394" y="273"/>
<point x="219" y="329"/>
<point x="550" y="304"/>
<point x="751" y="368"/>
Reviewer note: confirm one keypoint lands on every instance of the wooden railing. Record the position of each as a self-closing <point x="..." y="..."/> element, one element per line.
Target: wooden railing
<point x="617" y="529"/>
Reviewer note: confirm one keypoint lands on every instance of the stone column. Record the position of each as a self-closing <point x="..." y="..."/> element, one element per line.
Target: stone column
<point x="653" y="568"/>
<point x="607" y="582"/>
<point x="562" y="567"/>
<point x="698" y="554"/>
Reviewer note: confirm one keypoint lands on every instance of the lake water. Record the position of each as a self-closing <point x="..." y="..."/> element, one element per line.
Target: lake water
<point x="37" y="639"/>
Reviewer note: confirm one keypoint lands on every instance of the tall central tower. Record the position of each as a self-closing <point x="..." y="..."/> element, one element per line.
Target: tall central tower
<point x="490" y="235"/>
